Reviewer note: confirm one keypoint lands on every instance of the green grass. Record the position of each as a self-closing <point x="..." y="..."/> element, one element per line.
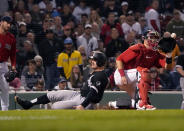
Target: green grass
<point x="94" y="120"/>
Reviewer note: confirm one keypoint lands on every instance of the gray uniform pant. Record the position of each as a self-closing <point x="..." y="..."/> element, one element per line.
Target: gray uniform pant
<point x="4" y="88"/>
<point x="182" y="87"/>
<point x="65" y="99"/>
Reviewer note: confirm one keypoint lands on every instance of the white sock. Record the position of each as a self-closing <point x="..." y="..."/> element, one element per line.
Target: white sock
<point x="34" y="100"/>
<point x="132" y="102"/>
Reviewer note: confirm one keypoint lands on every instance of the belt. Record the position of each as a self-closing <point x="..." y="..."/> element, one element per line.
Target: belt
<point x="1" y="61"/>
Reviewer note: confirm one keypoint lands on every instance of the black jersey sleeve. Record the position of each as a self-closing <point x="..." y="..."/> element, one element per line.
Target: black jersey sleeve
<point x="97" y="86"/>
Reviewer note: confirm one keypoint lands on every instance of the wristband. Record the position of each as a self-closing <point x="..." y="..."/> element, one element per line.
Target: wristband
<point x="168" y="60"/>
<point x="121" y="71"/>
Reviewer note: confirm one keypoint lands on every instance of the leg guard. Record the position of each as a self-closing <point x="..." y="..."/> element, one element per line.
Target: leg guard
<point x="144" y="85"/>
<point x="143" y="91"/>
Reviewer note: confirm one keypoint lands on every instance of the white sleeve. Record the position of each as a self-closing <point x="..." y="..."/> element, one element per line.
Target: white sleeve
<point x="153" y="15"/>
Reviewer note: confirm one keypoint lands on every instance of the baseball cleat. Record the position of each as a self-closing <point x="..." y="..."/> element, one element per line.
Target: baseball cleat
<point x="23" y="103"/>
<point x="150" y="107"/>
<point x="141" y="106"/>
<point x="112" y="105"/>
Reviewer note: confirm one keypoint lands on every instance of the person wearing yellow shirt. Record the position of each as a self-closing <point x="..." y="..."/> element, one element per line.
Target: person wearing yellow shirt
<point x="175" y="52"/>
<point x="68" y="58"/>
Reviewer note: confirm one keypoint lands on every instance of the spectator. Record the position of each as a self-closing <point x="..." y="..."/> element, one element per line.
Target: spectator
<point x="47" y="48"/>
<point x="95" y="18"/>
<point x="29" y="52"/>
<point x="36" y="15"/>
<point x="131" y="38"/>
<point x="29" y="78"/>
<point x="18" y="17"/>
<point x="68" y="58"/>
<point x="31" y="38"/>
<point x="3" y="7"/>
<point x="155" y="81"/>
<point x="176" y="25"/>
<point x="67" y="32"/>
<point x="39" y="85"/>
<point x="62" y="85"/>
<point x="89" y="42"/>
<point x="42" y="4"/>
<point x="111" y="8"/>
<point x="122" y="19"/>
<point x="116" y="44"/>
<point x="152" y="16"/>
<point x="41" y="34"/>
<point x="175" y="52"/>
<point x="30" y="4"/>
<point x="54" y="73"/>
<point x="24" y="55"/>
<point x="81" y="9"/>
<point x="111" y="66"/>
<point x="29" y="24"/>
<point x="82" y="51"/>
<point x="124" y="8"/>
<point x="76" y="78"/>
<point x="79" y="30"/>
<point x="66" y="15"/>
<point x="50" y="10"/>
<point x="39" y="64"/>
<point x="58" y="26"/>
<point x="20" y="7"/>
<point x="96" y="22"/>
<point x="84" y="19"/>
<point x="131" y="25"/>
<point x="144" y="27"/>
<point x="106" y="29"/>
<point x="21" y="36"/>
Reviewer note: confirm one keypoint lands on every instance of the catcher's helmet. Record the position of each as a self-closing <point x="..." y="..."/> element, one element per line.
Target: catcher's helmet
<point x="167" y="44"/>
<point x="10" y="76"/>
<point x="153" y="38"/>
<point x="99" y="57"/>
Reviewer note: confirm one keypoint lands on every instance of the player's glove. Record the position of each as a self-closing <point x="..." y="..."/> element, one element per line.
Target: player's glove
<point x="10" y="76"/>
<point x="167" y="45"/>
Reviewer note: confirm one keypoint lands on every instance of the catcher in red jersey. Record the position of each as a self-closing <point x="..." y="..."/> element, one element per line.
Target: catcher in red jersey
<point x="133" y="69"/>
<point x="7" y="50"/>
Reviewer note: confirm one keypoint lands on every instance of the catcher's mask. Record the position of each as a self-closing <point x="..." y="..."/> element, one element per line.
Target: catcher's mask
<point x="153" y="38"/>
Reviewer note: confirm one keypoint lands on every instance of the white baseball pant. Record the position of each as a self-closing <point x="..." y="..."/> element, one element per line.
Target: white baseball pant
<point x="4" y="87"/>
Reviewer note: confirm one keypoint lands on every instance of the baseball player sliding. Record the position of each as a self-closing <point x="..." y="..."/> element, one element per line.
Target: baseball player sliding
<point x="133" y="68"/>
<point x="7" y="50"/>
<point x="90" y="93"/>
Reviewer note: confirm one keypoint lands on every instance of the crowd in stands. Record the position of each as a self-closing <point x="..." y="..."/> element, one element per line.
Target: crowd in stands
<point x="55" y="37"/>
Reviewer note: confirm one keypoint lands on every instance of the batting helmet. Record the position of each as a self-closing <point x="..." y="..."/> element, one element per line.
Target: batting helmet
<point x="99" y="57"/>
<point x="10" y="76"/>
<point x="167" y="44"/>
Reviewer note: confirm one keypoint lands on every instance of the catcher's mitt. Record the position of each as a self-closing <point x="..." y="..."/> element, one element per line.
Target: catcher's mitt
<point x="167" y="44"/>
<point x="10" y="76"/>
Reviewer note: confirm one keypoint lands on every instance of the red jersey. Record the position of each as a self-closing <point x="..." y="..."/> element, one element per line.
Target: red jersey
<point x="139" y="55"/>
<point x="8" y="48"/>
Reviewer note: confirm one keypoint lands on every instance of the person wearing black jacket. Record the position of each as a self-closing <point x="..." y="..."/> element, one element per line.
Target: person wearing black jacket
<point x="117" y="44"/>
<point x="91" y="93"/>
<point x="47" y="49"/>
